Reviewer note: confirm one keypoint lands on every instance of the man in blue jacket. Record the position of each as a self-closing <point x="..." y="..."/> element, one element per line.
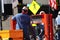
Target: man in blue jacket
<point x="23" y="22"/>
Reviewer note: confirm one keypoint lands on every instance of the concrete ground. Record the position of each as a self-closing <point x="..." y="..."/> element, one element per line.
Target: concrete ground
<point x="6" y="24"/>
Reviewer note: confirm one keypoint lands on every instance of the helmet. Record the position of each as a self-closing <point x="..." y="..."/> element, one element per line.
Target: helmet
<point x="42" y="12"/>
<point x="25" y="8"/>
<point x="59" y="12"/>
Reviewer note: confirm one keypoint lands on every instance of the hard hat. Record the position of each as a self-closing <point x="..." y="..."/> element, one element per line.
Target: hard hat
<point x="42" y="12"/>
<point x="25" y="8"/>
<point x="59" y="12"/>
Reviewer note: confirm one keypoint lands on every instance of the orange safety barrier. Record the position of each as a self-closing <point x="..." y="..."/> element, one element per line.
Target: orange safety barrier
<point x="12" y="24"/>
<point x="16" y="33"/>
<point x="11" y="34"/>
<point x="51" y="27"/>
<point x="48" y="26"/>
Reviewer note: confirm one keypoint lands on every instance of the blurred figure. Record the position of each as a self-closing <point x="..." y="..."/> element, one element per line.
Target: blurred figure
<point x="23" y="22"/>
<point x="40" y="28"/>
<point x="58" y="26"/>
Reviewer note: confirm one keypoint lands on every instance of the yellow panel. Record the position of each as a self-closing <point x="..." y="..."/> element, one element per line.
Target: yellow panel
<point x="4" y="33"/>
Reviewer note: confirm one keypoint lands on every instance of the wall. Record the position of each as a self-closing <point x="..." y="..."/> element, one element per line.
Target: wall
<point x="39" y="1"/>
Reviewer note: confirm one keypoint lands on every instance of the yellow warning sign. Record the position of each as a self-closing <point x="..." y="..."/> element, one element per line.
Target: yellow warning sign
<point x="34" y="7"/>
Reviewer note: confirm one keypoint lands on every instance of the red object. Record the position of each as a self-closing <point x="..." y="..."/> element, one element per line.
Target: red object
<point x="48" y="26"/>
<point x="12" y="24"/>
<point x="16" y="34"/>
<point x="53" y="4"/>
<point x="51" y="27"/>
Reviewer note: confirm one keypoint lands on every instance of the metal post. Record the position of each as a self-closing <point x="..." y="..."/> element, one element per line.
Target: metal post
<point x="0" y="16"/>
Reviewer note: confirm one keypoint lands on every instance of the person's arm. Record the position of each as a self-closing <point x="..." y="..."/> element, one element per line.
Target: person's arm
<point x="13" y="23"/>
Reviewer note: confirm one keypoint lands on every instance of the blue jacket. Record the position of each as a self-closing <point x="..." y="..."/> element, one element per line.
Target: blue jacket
<point x="22" y="21"/>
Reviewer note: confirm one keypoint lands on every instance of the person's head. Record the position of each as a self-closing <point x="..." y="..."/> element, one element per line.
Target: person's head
<point x="42" y="12"/>
<point x="59" y="13"/>
<point x="24" y="10"/>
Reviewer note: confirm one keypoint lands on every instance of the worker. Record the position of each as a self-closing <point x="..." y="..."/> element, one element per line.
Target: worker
<point x="41" y="26"/>
<point x="58" y="25"/>
<point x="23" y="22"/>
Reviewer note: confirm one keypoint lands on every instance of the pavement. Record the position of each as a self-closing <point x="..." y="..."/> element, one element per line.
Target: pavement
<point x="6" y="24"/>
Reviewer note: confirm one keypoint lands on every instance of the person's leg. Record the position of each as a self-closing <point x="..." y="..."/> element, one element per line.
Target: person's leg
<point x="26" y="35"/>
<point x="34" y="34"/>
<point x="58" y="34"/>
